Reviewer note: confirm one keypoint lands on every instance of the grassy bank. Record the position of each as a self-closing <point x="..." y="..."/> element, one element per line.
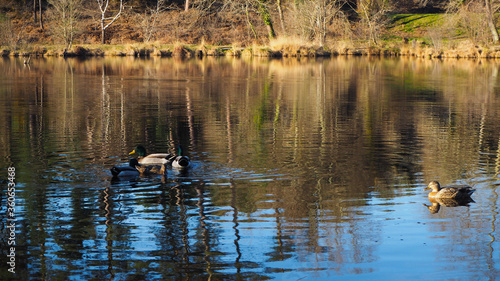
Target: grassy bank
<point x="417" y="35"/>
<point x="415" y="48"/>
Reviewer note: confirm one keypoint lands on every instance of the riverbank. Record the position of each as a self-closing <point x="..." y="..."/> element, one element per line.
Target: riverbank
<point x="460" y="49"/>
<point x="416" y="35"/>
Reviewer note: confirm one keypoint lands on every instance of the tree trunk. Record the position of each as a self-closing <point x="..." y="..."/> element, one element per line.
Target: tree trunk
<point x="186" y="6"/>
<point x="282" y="19"/>
<point x="34" y="10"/>
<point x="103" y="6"/>
<point x="41" y="18"/>
<point x="491" y="22"/>
<point x="103" y="41"/>
<point x="321" y="22"/>
<point x="423" y="3"/>
<point x="270" y="30"/>
<point x="249" y="22"/>
<point x="364" y="10"/>
<point x="266" y="17"/>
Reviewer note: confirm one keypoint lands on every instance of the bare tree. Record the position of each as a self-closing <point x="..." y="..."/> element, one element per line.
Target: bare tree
<point x="7" y="34"/>
<point x="476" y="18"/>
<point x="423" y="3"/>
<point x="313" y="18"/>
<point x="266" y="17"/>
<point x="67" y="14"/>
<point x="10" y="35"/>
<point x="150" y="19"/>
<point x="372" y="14"/>
<point x="280" y="12"/>
<point x="41" y="17"/>
<point x="103" y="7"/>
<point x="258" y="6"/>
<point x="250" y="24"/>
<point x="35" y="12"/>
<point x="490" y="18"/>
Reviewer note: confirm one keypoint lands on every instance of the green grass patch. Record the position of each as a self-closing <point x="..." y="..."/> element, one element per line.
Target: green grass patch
<point x="414" y="22"/>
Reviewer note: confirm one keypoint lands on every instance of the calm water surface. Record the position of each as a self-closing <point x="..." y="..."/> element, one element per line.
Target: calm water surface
<point x="310" y="169"/>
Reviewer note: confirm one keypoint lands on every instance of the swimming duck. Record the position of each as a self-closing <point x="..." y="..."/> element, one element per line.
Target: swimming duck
<point x="180" y="161"/>
<point x="151" y="159"/>
<point x="457" y="193"/>
<point x="126" y="171"/>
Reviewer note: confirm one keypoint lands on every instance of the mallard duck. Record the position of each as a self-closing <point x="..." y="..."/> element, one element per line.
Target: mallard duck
<point x="180" y="161"/>
<point x="457" y="193"/>
<point x="126" y="171"/>
<point x="151" y="159"/>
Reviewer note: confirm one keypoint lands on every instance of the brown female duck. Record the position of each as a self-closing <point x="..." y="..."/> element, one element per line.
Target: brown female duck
<point x="457" y="193"/>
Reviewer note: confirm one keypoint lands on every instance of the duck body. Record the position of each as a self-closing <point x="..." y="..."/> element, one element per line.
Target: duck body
<point x="155" y="159"/>
<point x="176" y="161"/>
<point x="151" y="159"/>
<point x="152" y="169"/>
<point x="180" y="161"/>
<point x="126" y="171"/>
<point x="135" y="169"/>
<point x="457" y="193"/>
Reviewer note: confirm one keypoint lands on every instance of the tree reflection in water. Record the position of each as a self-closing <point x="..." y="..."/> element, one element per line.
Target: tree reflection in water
<point x="303" y="168"/>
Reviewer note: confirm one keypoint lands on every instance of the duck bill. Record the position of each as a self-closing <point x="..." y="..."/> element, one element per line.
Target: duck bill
<point x="427" y="188"/>
<point x="133" y="151"/>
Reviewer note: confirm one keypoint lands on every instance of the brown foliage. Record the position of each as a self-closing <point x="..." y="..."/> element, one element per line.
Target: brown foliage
<point x="174" y="25"/>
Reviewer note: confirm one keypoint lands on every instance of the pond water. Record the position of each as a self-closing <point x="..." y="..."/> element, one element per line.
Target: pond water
<point x="302" y="169"/>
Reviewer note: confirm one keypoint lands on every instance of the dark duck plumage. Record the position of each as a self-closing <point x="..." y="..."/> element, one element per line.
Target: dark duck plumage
<point x="126" y="171"/>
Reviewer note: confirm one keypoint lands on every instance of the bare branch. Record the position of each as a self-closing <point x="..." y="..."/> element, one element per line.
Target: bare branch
<point x="103" y="7"/>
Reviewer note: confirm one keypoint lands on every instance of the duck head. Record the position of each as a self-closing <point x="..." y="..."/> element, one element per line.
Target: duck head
<point x="179" y="150"/>
<point x="434" y="185"/>
<point x="140" y="150"/>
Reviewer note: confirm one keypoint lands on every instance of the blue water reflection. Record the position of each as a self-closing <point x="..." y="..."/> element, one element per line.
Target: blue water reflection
<point x="301" y="169"/>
